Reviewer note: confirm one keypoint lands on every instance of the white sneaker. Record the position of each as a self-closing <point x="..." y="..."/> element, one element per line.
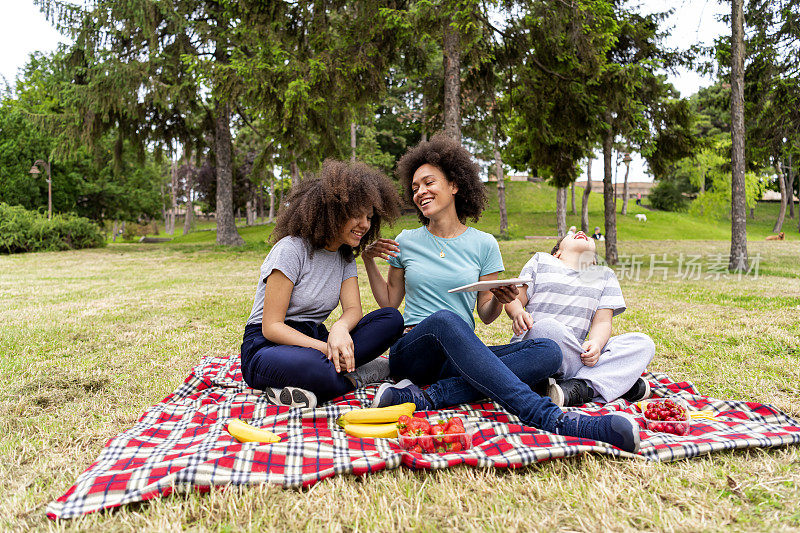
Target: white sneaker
<point x="402" y="385"/>
<point x="291" y="397"/>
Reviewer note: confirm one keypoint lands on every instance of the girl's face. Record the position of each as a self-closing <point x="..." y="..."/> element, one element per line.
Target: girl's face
<point x="355" y="228"/>
<point x="431" y="191"/>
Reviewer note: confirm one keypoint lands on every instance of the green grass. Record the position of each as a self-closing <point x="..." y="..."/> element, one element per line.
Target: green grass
<point x="90" y="339"/>
<point x="531" y="208"/>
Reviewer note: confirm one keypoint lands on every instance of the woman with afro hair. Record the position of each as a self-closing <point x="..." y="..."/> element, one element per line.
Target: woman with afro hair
<point x="287" y="352"/>
<point x="439" y="346"/>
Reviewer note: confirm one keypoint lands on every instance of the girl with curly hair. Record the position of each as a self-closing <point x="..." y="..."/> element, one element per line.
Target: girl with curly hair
<point x="439" y="345"/>
<point x="287" y="352"/>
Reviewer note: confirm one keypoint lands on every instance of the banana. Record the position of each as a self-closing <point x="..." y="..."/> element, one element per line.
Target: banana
<point x="244" y="432"/>
<point x="372" y="431"/>
<point x="376" y="415"/>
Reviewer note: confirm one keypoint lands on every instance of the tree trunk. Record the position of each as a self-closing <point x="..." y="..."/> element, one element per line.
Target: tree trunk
<point x="752" y="213"/>
<point x="424" y="137"/>
<point x="353" y="142"/>
<point x="169" y="225"/>
<point x="561" y="211"/>
<point x="609" y="201"/>
<point x="452" y="82"/>
<point x="295" y="171"/>
<point x="625" y="190"/>
<point x="226" y="223"/>
<point x="585" y="199"/>
<point x="572" y="198"/>
<point x="189" y="218"/>
<point x="271" y="216"/>
<point x="114" y="231"/>
<point x="790" y="186"/>
<point x="782" y="181"/>
<point x="738" y="257"/>
<point x="501" y="185"/>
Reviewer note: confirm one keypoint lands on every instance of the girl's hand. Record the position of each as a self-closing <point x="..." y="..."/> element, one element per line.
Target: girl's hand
<point x="505" y="294"/>
<point x="340" y="349"/>
<point x="384" y="248"/>
<point x="522" y="322"/>
<point x="591" y="352"/>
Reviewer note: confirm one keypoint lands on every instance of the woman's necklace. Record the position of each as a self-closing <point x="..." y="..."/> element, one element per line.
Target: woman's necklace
<point x="443" y="244"/>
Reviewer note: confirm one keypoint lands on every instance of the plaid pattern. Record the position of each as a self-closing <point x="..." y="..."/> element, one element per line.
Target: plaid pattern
<point x="182" y="444"/>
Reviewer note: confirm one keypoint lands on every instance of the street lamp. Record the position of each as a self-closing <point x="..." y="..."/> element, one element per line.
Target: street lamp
<point x="34" y="171"/>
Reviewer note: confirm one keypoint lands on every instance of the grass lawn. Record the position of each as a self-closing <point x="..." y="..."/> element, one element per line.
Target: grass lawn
<point x="89" y="339"/>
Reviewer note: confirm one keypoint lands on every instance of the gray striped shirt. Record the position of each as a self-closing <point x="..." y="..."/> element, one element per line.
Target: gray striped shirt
<point x="570" y="296"/>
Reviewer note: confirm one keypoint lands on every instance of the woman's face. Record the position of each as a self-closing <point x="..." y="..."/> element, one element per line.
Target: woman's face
<point x="355" y="228"/>
<point x="431" y="191"/>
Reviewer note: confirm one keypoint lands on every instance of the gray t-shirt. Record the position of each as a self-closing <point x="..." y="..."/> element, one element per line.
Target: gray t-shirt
<point x="317" y="276"/>
<point x="570" y="296"/>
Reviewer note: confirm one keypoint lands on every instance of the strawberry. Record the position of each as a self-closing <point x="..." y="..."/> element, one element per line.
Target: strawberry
<point x="437" y="431"/>
<point x="416" y="448"/>
<point x="456" y="422"/>
<point x="454" y="446"/>
<point x="402" y="425"/>
<point x="426" y="441"/>
<point x="450" y="435"/>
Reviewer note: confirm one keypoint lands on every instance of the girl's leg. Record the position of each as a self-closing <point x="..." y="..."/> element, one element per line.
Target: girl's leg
<point x="623" y="360"/>
<point x="294" y="366"/>
<point x="375" y="333"/>
<point x="446" y="333"/>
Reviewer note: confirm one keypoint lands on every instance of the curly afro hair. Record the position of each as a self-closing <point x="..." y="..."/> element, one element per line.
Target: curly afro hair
<point x="318" y="207"/>
<point x="457" y="165"/>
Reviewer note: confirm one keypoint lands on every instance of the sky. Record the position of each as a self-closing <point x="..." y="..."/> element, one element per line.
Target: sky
<point x="24" y="29"/>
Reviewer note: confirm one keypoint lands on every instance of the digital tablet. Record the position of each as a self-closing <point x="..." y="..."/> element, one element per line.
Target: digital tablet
<point x="486" y="285"/>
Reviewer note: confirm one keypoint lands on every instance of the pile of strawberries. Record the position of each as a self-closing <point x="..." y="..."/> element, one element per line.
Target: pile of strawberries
<point x="667" y="416"/>
<point x="418" y="435"/>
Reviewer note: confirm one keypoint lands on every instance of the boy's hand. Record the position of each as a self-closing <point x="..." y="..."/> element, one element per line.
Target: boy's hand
<point x="522" y="322"/>
<point x="591" y="352"/>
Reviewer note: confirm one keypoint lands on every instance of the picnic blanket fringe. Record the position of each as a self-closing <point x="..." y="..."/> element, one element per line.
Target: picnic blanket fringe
<point x="181" y="443"/>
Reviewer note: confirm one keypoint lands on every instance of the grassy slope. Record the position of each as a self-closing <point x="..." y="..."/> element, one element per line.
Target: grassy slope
<point x="531" y="208"/>
<point x="90" y="339"/>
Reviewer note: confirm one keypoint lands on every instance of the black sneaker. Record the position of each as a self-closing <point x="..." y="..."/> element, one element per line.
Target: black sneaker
<point x="291" y="397"/>
<point x="639" y="391"/>
<point x="543" y="387"/>
<point x="618" y="429"/>
<point x="570" y="393"/>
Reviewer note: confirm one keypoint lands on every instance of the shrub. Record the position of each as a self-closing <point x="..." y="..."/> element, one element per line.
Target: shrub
<point x="667" y="196"/>
<point x="28" y="231"/>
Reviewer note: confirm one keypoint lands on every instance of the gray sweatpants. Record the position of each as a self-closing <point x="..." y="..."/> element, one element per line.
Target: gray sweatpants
<point x="621" y="362"/>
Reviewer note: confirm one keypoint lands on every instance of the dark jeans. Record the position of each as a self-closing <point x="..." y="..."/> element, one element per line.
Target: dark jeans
<point x="444" y="350"/>
<point x="266" y="364"/>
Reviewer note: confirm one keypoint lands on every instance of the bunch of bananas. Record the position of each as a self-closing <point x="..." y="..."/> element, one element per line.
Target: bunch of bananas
<point x="375" y="422"/>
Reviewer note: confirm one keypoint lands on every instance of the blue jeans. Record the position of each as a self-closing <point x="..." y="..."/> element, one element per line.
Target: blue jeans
<point x="444" y="350"/>
<point x="266" y="364"/>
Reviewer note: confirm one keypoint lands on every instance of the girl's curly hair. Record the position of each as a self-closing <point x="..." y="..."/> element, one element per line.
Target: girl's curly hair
<point x="318" y="207"/>
<point x="457" y="165"/>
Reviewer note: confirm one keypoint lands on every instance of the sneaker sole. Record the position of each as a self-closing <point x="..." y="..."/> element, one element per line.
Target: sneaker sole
<point x="401" y="385"/>
<point x="555" y="393"/>
<point x="635" y="429"/>
<point x="292" y="397"/>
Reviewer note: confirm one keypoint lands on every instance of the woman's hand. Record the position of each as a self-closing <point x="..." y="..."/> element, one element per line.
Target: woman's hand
<point x="384" y="248"/>
<point x="522" y="322"/>
<point x="591" y="352"/>
<point x="505" y="294"/>
<point x="340" y="349"/>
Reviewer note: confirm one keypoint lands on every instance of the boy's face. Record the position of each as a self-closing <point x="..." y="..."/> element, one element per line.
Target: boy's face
<point x="579" y="243"/>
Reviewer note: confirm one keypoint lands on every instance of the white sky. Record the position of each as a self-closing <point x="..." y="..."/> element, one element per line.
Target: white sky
<point x="23" y="30"/>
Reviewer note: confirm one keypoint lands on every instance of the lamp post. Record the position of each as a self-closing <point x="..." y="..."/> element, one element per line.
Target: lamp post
<point x="627" y="160"/>
<point x="34" y="171"/>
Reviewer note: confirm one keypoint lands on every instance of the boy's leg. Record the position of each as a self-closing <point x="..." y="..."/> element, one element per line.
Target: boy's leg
<point x="623" y="360"/>
<point x="571" y="350"/>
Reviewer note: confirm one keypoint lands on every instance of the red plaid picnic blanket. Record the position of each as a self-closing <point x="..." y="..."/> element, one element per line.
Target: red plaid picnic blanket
<point x="181" y="443"/>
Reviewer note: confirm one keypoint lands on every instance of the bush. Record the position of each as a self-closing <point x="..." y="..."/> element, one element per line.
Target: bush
<point x="28" y="231"/>
<point x="667" y="196"/>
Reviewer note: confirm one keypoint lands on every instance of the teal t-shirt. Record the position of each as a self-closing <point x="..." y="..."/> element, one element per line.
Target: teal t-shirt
<point x="428" y="276"/>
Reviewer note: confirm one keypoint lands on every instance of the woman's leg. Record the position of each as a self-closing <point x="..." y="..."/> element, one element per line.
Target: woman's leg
<point x="532" y="361"/>
<point x="446" y="333"/>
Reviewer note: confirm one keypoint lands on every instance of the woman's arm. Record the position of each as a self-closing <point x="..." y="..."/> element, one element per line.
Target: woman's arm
<point x="387" y="292"/>
<point x="340" y="349"/>
<point x="599" y="333"/>
<point x="490" y="303"/>
<point x="277" y="294"/>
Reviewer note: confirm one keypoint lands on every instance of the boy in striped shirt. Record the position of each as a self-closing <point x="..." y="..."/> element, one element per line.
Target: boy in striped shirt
<point x="572" y="300"/>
